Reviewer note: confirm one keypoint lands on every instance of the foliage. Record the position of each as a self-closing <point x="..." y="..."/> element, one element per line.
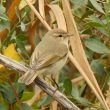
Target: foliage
<point x="4" y="22"/>
<point x="19" y="37"/>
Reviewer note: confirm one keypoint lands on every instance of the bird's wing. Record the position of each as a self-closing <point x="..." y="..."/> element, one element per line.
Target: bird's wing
<point x="30" y="75"/>
<point x="42" y="59"/>
<point x="46" y="61"/>
<point x="48" y="56"/>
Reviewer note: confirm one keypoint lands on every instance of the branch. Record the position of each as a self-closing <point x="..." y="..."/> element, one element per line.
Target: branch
<point x="49" y="89"/>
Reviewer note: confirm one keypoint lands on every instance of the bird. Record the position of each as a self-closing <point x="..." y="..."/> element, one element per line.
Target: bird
<point x="49" y="56"/>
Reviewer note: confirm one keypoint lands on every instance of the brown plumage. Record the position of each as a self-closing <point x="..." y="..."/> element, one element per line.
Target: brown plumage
<point x="49" y="56"/>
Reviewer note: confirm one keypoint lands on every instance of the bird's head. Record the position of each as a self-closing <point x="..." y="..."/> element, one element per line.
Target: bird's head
<point x="58" y="34"/>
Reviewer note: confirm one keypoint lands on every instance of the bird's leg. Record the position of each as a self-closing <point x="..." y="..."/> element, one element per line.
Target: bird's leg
<point x="55" y="82"/>
<point x="52" y="80"/>
<point x="55" y="78"/>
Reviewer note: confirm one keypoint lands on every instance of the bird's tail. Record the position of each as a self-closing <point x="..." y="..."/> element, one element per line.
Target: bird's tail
<point x="28" y="77"/>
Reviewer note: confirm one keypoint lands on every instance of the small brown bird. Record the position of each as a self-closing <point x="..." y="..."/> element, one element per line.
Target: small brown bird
<point x="49" y="56"/>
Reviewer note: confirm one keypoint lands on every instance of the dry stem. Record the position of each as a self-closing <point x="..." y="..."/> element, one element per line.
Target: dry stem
<point x="58" y="96"/>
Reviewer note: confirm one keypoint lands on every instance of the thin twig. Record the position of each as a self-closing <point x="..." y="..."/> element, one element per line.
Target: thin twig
<point x="58" y="96"/>
<point x="38" y="15"/>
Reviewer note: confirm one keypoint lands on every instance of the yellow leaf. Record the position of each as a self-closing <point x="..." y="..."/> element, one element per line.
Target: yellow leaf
<point x="2" y="67"/>
<point x="11" y="52"/>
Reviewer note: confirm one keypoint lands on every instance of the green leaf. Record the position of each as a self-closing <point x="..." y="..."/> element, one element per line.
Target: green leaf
<point x="97" y="67"/>
<point x="79" y="7"/>
<point x="94" y="24"/>
<point x="76" y="95"/>
<point x="79" y="3"/>
<point x="8" y="91"/>
<point x="27" y="95"/>
<point x="37" y="39"/>
<point x="89" y="53"/>
<point x="94" y="18"/>
<point x="96" y="45"/>
<point x="2" y="107"/>
<point x="100" y="25"/>
<point x="19" y="88"/>
<point x="68" y="85"/>
<point x="21" y="41"/>
<point x="26" y="107"/>
<point x="83" y="101"/>
<point x="46" y="100"/>
<point x="23" y="27"/>
<point x="75" y="91"/>
<point x="2" y="9"/>
<point x="4" y="22"/>
<point x="107" y="6"/>
<point x="97" y="6"/>
<point x="108" y="74"/>
<point x="86" y="14"/>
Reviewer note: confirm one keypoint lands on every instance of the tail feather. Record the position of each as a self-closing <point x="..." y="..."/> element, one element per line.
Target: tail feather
<point x="28" y="78"/>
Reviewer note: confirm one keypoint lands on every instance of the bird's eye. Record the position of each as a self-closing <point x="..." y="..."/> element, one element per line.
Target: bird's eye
<point x="60" y="35"/>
